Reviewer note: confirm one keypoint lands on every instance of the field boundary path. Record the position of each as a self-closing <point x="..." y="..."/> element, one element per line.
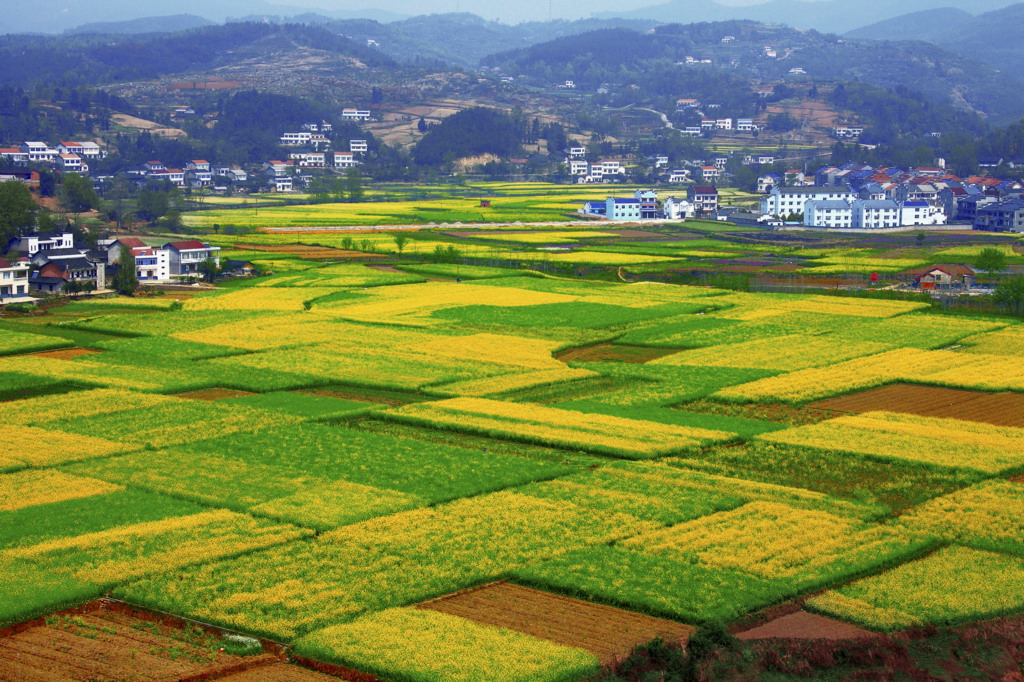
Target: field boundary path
<point x="434" y="226"/>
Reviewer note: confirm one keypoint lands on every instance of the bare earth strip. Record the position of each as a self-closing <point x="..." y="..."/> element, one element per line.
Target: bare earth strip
<point x="280" y="673"/>
<point x="609" y="633"/>
<point x="804" y="625"/>
<point x="1000" y="409"/>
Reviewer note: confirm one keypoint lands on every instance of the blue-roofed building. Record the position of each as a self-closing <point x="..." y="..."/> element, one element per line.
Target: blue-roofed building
<point x="1003" y="216"/>
<point x="622" y="209"/>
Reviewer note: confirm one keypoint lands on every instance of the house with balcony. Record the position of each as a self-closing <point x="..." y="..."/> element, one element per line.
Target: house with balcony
<point x="32" y="244"/>
<point x="345" y="160"/>
<point x="704" y="199"/>
<point x="13" y="155"/>
<point x="353" y="114"/>
<point x="13" y="280"/>
<point x="185" y="257"/>
<point x="828" y="213"/>
<point x="298" y="139"/>
<point x="358" y="146"/>
<point x="71" y="163"/>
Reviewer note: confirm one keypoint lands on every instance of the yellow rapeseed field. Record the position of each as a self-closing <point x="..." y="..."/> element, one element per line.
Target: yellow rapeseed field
<point x="35" y="487"/>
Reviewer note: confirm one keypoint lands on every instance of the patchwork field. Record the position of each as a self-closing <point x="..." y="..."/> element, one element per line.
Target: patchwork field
<point x="336" y="457"/>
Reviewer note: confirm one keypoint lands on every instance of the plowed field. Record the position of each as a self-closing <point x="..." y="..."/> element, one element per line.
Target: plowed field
<point x="212" y="394"/>
<point x="66" y="353"/>
<point x="1001" y="409"/>
<point x="610" y="352"/>
<point x="105" y="644"/>
<point x="804" y="625"/>
<point x="605" y="631"/>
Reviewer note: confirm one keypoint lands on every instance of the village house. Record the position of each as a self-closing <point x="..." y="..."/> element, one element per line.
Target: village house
<point x="710" y="172"/>
<point x="57" y="269"/>
<point x="944" y="277"/>
<point x="784" y="201"/>
<point x="1001" y="216"/>
<point x="344" y="160"/>
<point x="32" y="244"/>
<point x="674" y="208"/>
<point x="184" y="257"/>
<point x="13" y="155"/>
<point x="296" y="139"/>
<point x="828" y="213"/>
<point x="704" y="199"/>
<point x="352" y="114"/>
<point x="38" y="152"/>
<point x="13" y="280"/>
<point x="358" y="146"/>
<point x="71" y="163"/>
<point x="765" y="183"/>
<point x="679" y="175"/>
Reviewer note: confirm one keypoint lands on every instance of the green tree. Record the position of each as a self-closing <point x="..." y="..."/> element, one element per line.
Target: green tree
<point x="17" y="210"/>
<point x="354" y="184"/>
<point x="126" y="281"/>
<point x="400" y="241"/>
<point x="920" y="238"/>
<point x="77" y="194"/>
<point x="153" y="203"/>
<point x="210" y="269"/>
<point x="1010" y="295"/>
<point x="991" y="261"/>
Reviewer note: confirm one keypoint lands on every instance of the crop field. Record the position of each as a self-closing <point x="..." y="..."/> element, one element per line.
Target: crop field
<point x="440" y="471"/>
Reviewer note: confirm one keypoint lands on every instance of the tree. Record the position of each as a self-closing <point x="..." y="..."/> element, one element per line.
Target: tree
<point x="920" y="238"/>
<point x="991" y="261"/>
<point x="422" y="125"/>
<point x="77" y="194"/>
<point x="1010" y="295"/>
<point x="17" y="210"/>
<point x="400" y="241"/>
<point x="354" y="184"/>
<point x="126" y="281"/>
<point x="210" y="269"/>
<point x="153" y="204"/>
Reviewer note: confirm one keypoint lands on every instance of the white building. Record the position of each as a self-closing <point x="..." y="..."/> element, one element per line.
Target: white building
<point x="185" y="257"/>
<point x="831" y="213"/>
<point x="677" y="209"/>
<point x="679" y="175"/>
<point x="152" y="264"/>
<point x="42" y="241"/>
<point x="13" y="280"/>
<point x="358" y="146"/>
<point x="38" y="152"/>
<point x="345" y="160"/>
<point x="296" y="139"/>
<point x="71" y="163"/>
<point x="783" y="201"/>
<point x="745" y="125"/>
<point x="352" y="114"/>
<point x="921" y="213"/>
<point x="577" y="152"/>
<point x="578" y="166"/>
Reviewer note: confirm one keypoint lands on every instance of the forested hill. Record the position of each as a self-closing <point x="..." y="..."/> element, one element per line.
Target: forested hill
<point x="98" y="59"/>
<point x="994" y="37"/>
<point x="624" y="56"/>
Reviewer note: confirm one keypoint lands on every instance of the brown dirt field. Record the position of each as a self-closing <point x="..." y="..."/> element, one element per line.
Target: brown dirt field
<point x="65" y="353"/>
<point x="804" y="625"/>
<point x="213" y="394"/>
<point x="610" y="352"/>
<point x="355" y="395"/>
<point x="105" y="644"/>
<point x="308" y="252"/>
<point x="609" y="633"/>
<point x="150" y="126"/>
<point x="1000" y="409"/>
<point x="282" y="672"/>
<point x="780" y="413"/>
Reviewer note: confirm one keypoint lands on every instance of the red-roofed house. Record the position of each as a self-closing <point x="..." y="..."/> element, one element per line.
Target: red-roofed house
<point x="185" y="256"/>
<point x="114" y="250"/>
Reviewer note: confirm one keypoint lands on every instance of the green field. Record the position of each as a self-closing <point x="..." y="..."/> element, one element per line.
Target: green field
<point x="377" y="437"/>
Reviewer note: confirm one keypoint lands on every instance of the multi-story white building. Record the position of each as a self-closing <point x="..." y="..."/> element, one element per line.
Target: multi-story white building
<point x="70" y="163"/>
<point x="783" y="201"/>
<point x="345" y="160"/>
<point x="13" y="280"/>
<point x="358" y="146"/>
<point x="32" y="244"/>
<point x="184" y="257"/>
<point x="38" y="152"/>
<point x="352" y="114"/>
<point x="296" y="139"/>
<point x="831" y="213"/>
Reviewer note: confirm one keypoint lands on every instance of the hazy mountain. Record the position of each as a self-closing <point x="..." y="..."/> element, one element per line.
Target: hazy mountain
<point x="996" y="37"/>
<point x="429" y="37"/>
<point x="922" y="25"/>
<point x="177" y="22"/>
<point x="624" y="56"/>
<point x="831" y="16"/>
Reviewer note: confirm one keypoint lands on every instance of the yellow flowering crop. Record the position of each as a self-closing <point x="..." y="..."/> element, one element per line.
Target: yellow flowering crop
<point x="776" y="541"/>
<point x="429" y="646"/>
<point x="989" y="515"/>
<point x="80" y="404"/>
<point x="35" y="487"/>
<point x="513" y="382"/>
<point x="128" y="552"/>
<point x="1007" y="341"/>
<point x="784" y="353"/>
<point x="952" y="585"/>
<point x="615" y="435"/>
<point x="336" y="503"/>
<point x="37" y="447"/>
<point x="23" y="342"/>
<point x="506" y="350"/>
<point x="259" y="299"/>
<point x="932" y="440"/>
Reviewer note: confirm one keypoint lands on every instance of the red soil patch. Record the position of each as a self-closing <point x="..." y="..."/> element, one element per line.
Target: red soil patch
<point x="804" y="625"/>
<point x="344" y="394"/>
<point x="213" y="394"/>
<point x="281" y="672"/>
<point x="610" y="352"/>
<point x="103" y="641"/>
<point x="609" y="633"/>
<point x="1000" y="409"/>
<point x="65" y="353"/>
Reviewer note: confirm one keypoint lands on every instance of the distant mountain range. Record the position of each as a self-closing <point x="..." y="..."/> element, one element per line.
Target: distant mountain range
<point x="996" y="37"/>
<point x="829" y="16"/>
<point x="177" y="22"/>
<point x="55" y="16"/>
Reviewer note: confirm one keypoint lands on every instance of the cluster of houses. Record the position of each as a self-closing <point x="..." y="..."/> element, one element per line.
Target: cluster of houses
<point x="859" y="196"/>
<point x="53" y="263"/>
<point x="72" y="157"/>
<point x="645" y="205"/>
<point x="709" y="123"/>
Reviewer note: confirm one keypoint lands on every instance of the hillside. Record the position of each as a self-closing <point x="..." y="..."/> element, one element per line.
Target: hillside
<point x="105" y="59"/>
<point x="833" y="16"/>
<point x="993" y="37"/>
<point x="625" y="56"/>
<point x="169" y="24"/>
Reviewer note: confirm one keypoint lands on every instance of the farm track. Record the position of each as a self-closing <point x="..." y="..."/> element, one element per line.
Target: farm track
<point x="607" y="632"/>
<point x="999" y="409"/>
